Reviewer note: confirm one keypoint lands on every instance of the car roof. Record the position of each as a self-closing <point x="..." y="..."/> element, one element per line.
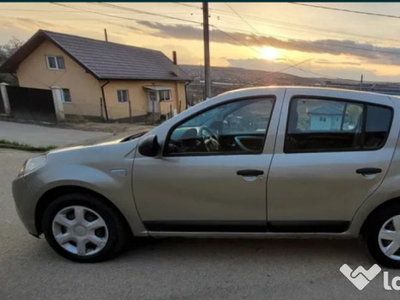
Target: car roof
<point x="304" y="89"/>
<point x="336" y="92"/>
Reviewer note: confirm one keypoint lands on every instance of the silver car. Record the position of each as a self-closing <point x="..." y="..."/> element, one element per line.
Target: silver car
<point x="260" y="162"/>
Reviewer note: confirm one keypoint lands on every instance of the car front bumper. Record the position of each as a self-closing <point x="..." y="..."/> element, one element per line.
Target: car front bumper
<point x="25" y="204"/>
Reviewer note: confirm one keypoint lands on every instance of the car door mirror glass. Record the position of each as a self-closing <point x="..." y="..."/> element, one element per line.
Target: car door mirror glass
<point x="149" y="146"/>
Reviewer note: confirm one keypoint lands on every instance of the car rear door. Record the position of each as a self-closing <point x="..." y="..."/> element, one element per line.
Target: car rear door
<point x="332" y="152"/>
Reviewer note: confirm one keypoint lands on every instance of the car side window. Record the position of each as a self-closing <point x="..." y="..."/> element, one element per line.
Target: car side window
<point x="319" y="125"/>
<point x="237" y="127"/>
<point x="377" y="126"/>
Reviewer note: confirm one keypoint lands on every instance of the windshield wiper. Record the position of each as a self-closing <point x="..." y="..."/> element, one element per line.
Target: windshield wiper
<point x="134" y="136"/>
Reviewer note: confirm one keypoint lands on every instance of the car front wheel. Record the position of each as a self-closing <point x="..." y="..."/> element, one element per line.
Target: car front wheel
<point x="383" y="236"/>
<point x="83" y="228"/>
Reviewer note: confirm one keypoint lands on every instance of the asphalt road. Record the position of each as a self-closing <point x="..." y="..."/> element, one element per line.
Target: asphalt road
<point x="177" y="268"/>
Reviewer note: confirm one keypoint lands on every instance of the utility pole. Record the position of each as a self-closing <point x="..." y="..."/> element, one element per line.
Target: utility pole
<point x="206" y="34"/>
<point x="361" y="81"/>
<point x="105" y="34"/>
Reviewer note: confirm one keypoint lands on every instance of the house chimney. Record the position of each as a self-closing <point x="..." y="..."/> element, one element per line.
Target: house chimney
<point x="175" y="61"/>
<point x="105" y="34"/>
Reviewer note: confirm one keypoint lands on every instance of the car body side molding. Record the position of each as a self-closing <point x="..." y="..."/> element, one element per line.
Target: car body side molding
<point x="248" y="226"/>
<point x="308" y="226"/>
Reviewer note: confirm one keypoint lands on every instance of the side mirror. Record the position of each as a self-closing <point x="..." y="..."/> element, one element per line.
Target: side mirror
<point x="149" y="146"/>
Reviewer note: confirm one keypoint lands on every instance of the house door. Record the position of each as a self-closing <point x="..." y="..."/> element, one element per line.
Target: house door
<point x="153" y="101"/>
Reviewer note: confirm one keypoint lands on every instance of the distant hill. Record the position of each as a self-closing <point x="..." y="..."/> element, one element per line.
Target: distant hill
<point x="242" y="76"/>
<point x="229" y="78"/>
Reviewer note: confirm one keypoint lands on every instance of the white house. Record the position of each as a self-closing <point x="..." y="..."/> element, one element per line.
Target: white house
<point x="327" y="117"/>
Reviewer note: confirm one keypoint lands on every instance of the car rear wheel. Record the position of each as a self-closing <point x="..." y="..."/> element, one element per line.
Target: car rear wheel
<point x="84" y="228"/>
<point x="383" y="236"/>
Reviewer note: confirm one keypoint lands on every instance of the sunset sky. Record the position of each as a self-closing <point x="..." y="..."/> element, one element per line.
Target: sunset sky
<point x="264" y="36"/>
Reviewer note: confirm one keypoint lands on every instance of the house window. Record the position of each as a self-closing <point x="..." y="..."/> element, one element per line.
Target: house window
<point x="123" y="96"/>
<point x="55" y="62"/>
<point x="66" y="95"/>
<point x="165" y="95"/>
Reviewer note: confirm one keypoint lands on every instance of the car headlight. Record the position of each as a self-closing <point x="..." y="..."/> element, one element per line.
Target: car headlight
<point x="32" y="164"/>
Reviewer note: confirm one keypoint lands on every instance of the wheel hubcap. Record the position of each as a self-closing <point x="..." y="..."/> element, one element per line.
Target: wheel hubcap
<point x="80" y="230"/>
<point x="389" y="238"/>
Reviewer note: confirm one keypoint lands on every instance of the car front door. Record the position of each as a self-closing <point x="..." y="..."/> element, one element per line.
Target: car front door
<point x="333" y="150"/>
<point x="213" y="171"/>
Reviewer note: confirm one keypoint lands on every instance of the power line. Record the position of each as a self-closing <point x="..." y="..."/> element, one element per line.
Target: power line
<point x="295" y="26"/>
<point x="185" y="20"/>
<point x="289" y="66"/>
<point x="252" y="27"/>
<point x="199" y="23"/>
<point x="329" y="43"/>
<point x="232" y="37"/>
<point x="135" y="10"/>
<point x="301" y="69"/>
<point x="122" y="17"/>
<point x="322" y="43"/>
<point x="187" y="5"/>
<point x="236" y="13"/>
<point x="146" y="12"/>
<point x="271" y="74"/>
<point x="295" y="66"/>
<point x="95" y="12"/>
<point x="195" y="22"/>
<point x="347" y="10"/>
<point x="42" y="10"/>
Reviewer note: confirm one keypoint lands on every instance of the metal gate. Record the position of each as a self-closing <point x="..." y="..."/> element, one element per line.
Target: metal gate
<point x="31" y="104"/>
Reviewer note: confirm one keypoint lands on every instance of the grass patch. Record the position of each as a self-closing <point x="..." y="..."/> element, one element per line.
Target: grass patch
<point x="25" y="147"/>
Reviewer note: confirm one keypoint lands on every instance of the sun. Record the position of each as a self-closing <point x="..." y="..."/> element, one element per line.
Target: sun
<point x="269" y="53"/>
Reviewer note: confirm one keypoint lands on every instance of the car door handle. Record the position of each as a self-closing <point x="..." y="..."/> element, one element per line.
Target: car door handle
<point x="368" y="171"/>
<point x="250" y="172"/>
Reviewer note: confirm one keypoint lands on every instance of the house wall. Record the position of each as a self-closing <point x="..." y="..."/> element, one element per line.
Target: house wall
<point x="84" y="88"/>
<point x="325" y="122"/>
<point x="139" y="99"/>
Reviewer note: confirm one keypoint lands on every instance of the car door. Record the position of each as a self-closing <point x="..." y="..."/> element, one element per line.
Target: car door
<point x="197" y="185"/>
<point x="333" y="150"/>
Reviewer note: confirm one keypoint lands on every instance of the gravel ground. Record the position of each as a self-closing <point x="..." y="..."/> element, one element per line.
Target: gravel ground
<point x="67" y="134"/>
<point x="177" y="268"/>
<point x="42" y="136"/>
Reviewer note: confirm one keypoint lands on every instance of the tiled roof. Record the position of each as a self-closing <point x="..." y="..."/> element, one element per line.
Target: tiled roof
<point x="106" y="60"/>
<point x="326" y="110"/>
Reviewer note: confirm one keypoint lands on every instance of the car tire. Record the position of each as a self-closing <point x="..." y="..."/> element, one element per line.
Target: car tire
<point x="84" y="228"/>
<point x="379" y="233"/>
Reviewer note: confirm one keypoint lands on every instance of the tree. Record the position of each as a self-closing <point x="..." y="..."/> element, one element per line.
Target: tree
<point x="6" y="51"/>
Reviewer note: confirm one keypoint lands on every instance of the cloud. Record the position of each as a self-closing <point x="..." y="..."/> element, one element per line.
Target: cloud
<point x="30" y="25"/>
<point x="27" y="23"/>
<point x="366" y="51"/>
<point x="328" y="62"/>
